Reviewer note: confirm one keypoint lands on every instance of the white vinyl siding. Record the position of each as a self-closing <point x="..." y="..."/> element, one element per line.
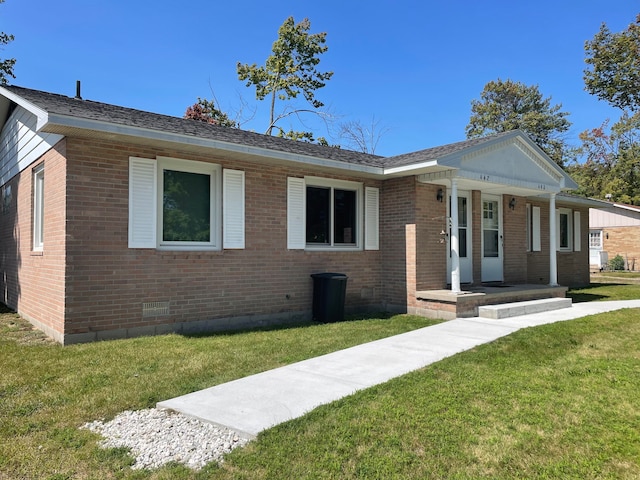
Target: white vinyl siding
<point x="21" y="144"/>
<point x="233" y="208"/>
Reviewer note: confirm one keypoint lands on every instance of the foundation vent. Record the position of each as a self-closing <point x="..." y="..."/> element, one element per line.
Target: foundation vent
<point x="155" y="309"/>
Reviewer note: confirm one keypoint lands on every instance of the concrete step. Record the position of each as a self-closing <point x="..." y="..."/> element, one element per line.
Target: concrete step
<point x="515" y="309"/>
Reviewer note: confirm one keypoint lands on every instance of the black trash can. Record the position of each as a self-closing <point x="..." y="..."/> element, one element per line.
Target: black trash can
<point x="328" y="296"/>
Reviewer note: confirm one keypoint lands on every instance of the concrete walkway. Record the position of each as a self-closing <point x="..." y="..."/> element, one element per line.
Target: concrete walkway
<point x="255" y="403"/>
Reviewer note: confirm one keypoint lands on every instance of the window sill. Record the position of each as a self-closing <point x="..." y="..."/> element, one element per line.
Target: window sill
<point x="353" y="248"/>
<point x="173" y="248"/>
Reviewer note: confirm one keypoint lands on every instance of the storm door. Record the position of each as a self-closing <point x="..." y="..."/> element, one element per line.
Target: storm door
<point x="492" y="251"/>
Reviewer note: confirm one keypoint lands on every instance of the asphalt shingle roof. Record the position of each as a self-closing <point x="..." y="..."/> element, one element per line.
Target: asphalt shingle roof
<point x="103" y="112"/>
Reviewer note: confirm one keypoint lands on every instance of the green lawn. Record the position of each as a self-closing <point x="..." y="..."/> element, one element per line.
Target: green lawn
<point x="558" y="401"/>
<point x="605" y="291"/>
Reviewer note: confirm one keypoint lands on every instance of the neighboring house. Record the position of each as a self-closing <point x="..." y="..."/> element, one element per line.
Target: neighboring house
<point x="118" y="222"/>
<point x="614" y="229"/>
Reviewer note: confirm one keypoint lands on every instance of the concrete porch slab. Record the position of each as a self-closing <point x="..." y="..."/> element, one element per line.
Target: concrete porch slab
<point x="467" y="302"/>
<point x="516" y="309"/>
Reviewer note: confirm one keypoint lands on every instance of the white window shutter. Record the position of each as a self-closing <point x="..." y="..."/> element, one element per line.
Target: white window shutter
<point x="371" y="218"/>
<point x="535" y="227"/>
<point x="233" y="208"/>
<point x="142" y="203"/>
<point x="577" y="245"/>
<point x="296" y="214"/>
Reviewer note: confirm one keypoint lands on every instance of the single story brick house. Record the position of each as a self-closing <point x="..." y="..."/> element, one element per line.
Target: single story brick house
<point x="614" y="229"/>
<point x="118" y="222"/>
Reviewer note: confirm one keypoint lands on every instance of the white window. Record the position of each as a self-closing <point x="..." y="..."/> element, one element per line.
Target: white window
<point x="533" y="228"/>
<point x="176" y="204"/>
<point x="188" y="204"/>
<point x="595" y="239"/>
<point x="328" y="214"/>
<point x="38" y="208"/>
<point x="568" y="230"/>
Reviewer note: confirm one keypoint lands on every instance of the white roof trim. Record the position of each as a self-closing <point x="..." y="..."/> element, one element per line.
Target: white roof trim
<point x="41" y="115"/>
<point x="625" y="207"/>
<point x="108" y="127"/>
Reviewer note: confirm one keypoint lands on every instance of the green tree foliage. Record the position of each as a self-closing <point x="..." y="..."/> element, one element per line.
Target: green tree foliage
<point x="611" y="157"/>
<point x="289" y="71"/>
<point x="610" y="161"/>
<point x="613" y="74"/>
<point x="508" y="105"/>
<point x="6" y="66"/>
<point x="206" y="111"/>
<point x="186" y="207"/>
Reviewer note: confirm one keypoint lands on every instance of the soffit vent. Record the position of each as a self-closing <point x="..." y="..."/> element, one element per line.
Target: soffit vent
<point x="155" y="309"/>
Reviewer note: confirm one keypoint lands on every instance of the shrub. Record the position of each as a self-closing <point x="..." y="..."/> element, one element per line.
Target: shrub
<point x="616" y="263"/>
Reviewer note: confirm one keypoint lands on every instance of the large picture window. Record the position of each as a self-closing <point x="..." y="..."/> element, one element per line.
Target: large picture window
<point x="189" y="202"/>
<point x="186" y="207"/>
<point x="179" y="204"/>
<point x="325" y="214"/>
<point x="331" y="216"/>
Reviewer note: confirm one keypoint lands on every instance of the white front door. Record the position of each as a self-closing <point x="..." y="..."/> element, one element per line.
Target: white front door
<point x="464" y="237"/>
<point x="595" y="248"/>
<point x="492" y="239"/>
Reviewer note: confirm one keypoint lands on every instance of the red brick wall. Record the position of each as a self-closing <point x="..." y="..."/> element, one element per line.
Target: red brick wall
<point x="514" y="240"/>
<point x="33" y="282"/>
<point x="108" y="282"/>
<point x="573" y="267"/>
<point x="397" y="221"/>
<point x="431" y="252"/>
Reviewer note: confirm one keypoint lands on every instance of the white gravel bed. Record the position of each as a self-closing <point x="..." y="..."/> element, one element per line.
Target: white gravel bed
<point x="157" y="437"/>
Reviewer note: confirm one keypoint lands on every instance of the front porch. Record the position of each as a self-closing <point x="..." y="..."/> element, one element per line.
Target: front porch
<point x="448" y="305"/>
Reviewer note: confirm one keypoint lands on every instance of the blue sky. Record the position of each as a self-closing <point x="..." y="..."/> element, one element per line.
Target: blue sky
<point x="415" y="66"/>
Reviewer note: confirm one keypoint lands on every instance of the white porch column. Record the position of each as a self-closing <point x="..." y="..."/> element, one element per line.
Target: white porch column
<point x="455" y="243"/>
<point x="553" y="258"/>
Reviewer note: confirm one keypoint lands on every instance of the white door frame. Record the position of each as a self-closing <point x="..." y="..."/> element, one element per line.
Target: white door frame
<point x="466" y="262"/>
<point x="492" y="265"/>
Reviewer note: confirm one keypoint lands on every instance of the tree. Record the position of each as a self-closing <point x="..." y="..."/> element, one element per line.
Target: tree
<point x="509" y="105"/>
<point x="206" y="111"/>
<point x="614" y="72"/>
<point x="361" y="137"/>
<point x="289" y="71"/>
<point x="611" y="161"/>
<point x="6" y="66"/>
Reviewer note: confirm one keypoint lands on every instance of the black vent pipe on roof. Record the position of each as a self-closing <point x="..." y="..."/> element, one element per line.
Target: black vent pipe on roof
<point x="78" y="90"/>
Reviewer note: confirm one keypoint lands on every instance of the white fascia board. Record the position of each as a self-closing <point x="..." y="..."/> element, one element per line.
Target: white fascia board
<point x="412" y="169"/>
<point x="41" y="115"/>
<point x="576" y="200"/>
<point x="107" y="127"/>
<point x="626" y="207"/>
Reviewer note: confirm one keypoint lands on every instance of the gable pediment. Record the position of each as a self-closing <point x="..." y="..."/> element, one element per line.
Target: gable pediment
<point x="512" y="161"/>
